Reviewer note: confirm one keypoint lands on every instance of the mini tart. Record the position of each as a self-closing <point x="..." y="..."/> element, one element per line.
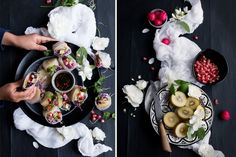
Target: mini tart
<point x="30" y="80"/>
<point x="193" y="103"/>
<point x="181" y="130"/>
<point x="68" y="62"/>
<point x="185" y="112"/>
<point x="171" y="119"/>
<point x="178" y="99"/>
<point x="103" y="101"/>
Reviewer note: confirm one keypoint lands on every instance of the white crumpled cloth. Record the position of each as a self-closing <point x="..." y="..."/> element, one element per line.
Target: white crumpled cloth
<point x="177" y="58"/>
<point x="58" y="137"/>
<point x="76" y="25"/>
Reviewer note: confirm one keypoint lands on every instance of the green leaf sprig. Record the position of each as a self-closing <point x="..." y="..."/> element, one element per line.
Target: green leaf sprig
<point x="81" y="53"/>
<point x="98" y="85"/>
<point x="184" y="25"/>
<point x="200" y="133"/>
<point x="108" y="115"/>
<point x="47" y="52"/>
<point x="181" y="86"/>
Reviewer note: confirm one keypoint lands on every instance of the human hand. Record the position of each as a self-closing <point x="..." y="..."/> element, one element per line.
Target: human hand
<point x="28" y="42"/>
<point x="9" y="92"/>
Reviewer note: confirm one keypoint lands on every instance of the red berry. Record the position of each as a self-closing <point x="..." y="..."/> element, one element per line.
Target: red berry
<point x="92" y="112"/>
<point x="102" y="121"/>
<point x="48" y="1"/>
<point x="166" y="41"/>
<point x="99" y="117"/>
<point x="151" y="16"/>
<point x="157" y="22"/>
<point x="93" y="119"/>
<point x="225" y="115"/>
<point x="94" y="115"/>
<point x="163" y="16"/>
<point x="157" y="13"/>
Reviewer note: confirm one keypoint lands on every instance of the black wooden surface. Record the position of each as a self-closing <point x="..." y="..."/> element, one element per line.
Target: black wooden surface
<point x="16" y="16"/>
<point x="137" y="137"/>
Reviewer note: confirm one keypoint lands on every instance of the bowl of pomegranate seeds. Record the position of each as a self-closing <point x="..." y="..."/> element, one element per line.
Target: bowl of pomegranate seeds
<point x="210" y="67"/>
<point x="157" y="18"/>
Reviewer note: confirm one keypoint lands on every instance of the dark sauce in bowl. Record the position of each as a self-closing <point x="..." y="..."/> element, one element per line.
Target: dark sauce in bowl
<point x="64" y="81"/>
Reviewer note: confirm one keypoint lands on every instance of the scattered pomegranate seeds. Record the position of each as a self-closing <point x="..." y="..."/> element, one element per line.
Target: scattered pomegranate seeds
<point x="206" y="71"/>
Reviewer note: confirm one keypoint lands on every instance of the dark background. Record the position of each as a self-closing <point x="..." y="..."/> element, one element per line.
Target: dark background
<point x="136" y="137"/>
<point x="16" y="16"/>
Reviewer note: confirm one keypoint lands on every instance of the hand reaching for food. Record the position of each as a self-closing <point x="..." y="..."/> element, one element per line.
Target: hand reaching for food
<point x="28" y="42"/>
<point x="10" y="92"/>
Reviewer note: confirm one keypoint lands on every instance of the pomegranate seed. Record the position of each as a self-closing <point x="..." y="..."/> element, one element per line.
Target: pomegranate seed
<point x="195" y="37"/>
<point x="145" y="58"/>
<point x="216" y="101"/>
<point x="152" y="68"/>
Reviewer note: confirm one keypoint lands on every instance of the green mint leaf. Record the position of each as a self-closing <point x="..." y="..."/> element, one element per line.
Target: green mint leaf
<point x="180" y="82"/>
<point x="172" y="89"/>
<point x="183" y="88"/>
<point x="81" y="53"/>
<point x="98" y="85"/>
<point x="106" y="115"/>
<point x="200" y="133"/>
<point x="47" y="52"/>
<point x="184" y="25"/>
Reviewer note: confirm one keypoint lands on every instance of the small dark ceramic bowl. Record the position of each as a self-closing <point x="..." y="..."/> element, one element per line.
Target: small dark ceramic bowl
<point x="217" y="59"/>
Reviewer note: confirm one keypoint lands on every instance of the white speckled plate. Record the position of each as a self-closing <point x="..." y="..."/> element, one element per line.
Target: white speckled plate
<point x="164" y="94"/>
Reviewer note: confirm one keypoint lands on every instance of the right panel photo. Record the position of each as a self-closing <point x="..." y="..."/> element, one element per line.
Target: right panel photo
<point x="175" y="78"/>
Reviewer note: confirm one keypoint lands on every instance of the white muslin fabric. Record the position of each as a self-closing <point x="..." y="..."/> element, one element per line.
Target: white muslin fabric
<point x="176" y="58"/>
<point x="76" y="25"/>
<point x="176" y="63"/>
<point x="58" y="137"/>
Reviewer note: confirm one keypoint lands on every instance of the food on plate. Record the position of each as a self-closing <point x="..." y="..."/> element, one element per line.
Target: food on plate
<point x="62" y="101"/>
<point x="193" y="103"/>
<point x="52" y="114"/>
<point x="185" y="112"/>
<point x="206" y="70"/>
<point x="61" y="49"/>
<point x="67" y="62"/>
<point x="63" y="81"/>
<point x="78" y="95"/>
<point x="178" y="99"/>
<point x="66" y="104"/>
<point x="181" y="130"/>
<point x="171" y="119"/>
<point x="44" y="78"/>
<point x="51" y="65"/>
<point x="47" y="99"/>
<point x="58" y="101"/>
<point x="36" y="98"/>
<point x="30" y="80"/>
<point x="103" y="101"/>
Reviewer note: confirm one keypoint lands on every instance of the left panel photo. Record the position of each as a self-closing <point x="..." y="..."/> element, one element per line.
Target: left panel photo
<point x="57" y="82"/>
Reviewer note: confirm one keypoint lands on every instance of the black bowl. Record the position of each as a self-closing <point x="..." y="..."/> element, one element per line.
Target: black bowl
<point x="217" y="59"/>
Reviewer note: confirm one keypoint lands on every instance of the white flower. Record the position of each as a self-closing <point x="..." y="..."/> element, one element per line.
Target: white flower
<point x="100" y="43"/>
<point x="194" y="91"/>
<point x="206" y="150"/>
<point x="141" y="84"/>
<point x="98" y="134"/>
<point x="134" y="95"/>
<point x="103" y="59"/>
<point x="85" y="70"/>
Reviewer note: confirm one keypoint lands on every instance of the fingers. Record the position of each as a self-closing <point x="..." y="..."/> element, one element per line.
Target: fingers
<point x="46" y="39"/>
<point x="25" y="95"/>
<point x="40" y="47"/>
